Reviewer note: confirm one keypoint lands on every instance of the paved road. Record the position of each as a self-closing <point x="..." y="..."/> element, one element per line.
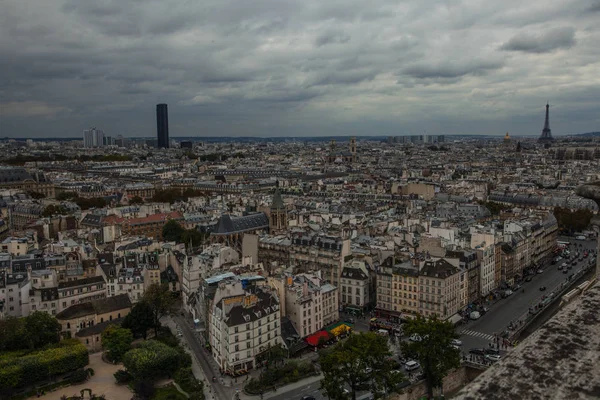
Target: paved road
<point x="217" y="390"/>
<point x="480" y="332"/>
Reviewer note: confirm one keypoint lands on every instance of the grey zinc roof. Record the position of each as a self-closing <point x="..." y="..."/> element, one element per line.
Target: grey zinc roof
<point x="228" y="225"/>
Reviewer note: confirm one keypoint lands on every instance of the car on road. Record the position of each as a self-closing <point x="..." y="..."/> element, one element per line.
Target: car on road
<point x="574" y="263"/>
<point x="456" y="342"/>
<point x="528" y="279"/>
<point x="411" y="365"/>
<point x="580" y="237"/>
<point x="540" y="271"/>
<point x="477" y="351"/>
<point x="565" y="271"/>
<point x="542" y="288"/>
<point x="475" y="315"/>
<point x="492" y="351"/>
<point x="560" y="267"/>
<point x="308" y="398"/>
<point x="492" y="357"/>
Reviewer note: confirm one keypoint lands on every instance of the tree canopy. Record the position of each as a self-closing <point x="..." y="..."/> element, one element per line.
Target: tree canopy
<point x="573" y="221"/>
<point x="160" y="300"/>
<point x="136" y="200"/>
<point x="116" y="341"/>
<point x="36" y="330"/>
<point x="172" y="231"/>
<point x="361" y="362"/>
<point x="435" y="352"/>
<point x="140" y="319"/>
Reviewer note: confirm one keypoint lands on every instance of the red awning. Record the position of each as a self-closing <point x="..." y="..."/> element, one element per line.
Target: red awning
<point x="313" y="339"/>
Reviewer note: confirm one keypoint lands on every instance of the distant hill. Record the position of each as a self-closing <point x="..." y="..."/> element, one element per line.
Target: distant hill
<point x="589" y="134"/>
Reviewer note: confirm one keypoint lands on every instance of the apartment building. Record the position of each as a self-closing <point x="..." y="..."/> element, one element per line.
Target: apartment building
<point x="405" y="280"/>
<point x="79" y="291"/>
<point x="439" y="289"/>
<point x="244" y="324"/>
<point x="355" y="286"/>
<point x="14" y="294"/>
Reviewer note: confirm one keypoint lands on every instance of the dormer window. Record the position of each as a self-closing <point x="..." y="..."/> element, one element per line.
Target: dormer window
<point x="247" y="318"/>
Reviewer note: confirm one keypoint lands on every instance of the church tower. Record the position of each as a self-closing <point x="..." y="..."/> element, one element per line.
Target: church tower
<point x="353" y="148"/>
<point x="278" y="219"/>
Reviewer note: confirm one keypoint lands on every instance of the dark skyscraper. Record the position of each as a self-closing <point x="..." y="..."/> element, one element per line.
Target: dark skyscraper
<point x="162" y="126"/>
<point x="546" y="132"/>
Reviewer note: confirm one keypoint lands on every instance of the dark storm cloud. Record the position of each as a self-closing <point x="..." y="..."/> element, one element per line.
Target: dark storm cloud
<point x="559" y="38"/>
<point x="283" y="67"/>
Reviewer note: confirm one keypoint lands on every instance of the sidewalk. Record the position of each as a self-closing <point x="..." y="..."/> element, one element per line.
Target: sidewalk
<point x="285" y="389"/>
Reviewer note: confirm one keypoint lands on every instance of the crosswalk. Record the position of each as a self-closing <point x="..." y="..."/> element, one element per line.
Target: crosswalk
<point x="477" y="334"/>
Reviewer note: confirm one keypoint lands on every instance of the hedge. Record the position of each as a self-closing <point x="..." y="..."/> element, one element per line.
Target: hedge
<point x="42" y="365"/>
<point x="152" y="359"/>
<point x="291" y="372"/>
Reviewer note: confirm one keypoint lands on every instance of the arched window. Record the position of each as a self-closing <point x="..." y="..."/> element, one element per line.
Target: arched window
<point x="101" y="320"/>
<point x="119" y="316"/>
<point x="68" y="325"/>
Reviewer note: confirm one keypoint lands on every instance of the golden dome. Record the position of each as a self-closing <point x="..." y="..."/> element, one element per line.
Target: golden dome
<point x="507" y="137"/>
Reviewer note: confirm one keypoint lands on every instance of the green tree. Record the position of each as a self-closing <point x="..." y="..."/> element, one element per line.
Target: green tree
<point x="160" y="300"/>
<point x="116" y="341"/>
<point x="193" y="236"/>
<point x="172" y="231"/>
<point x="435" y="352"/>
<point x="41" y="329"/>
<point x="139" y="320"/>
<point x="136" y="200"/>
<point x="359" y="362"/>
<point x="12" y="332"/>
<point x="36" y="195"/>
<point x="50" y="210"/>
<point x="275" y="354"/>
<point x="66" y="196"/>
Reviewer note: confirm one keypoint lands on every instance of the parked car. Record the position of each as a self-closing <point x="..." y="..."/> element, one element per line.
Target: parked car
<point x="411" y="365"/>
<point x="540" y="271"/>
<point x="542" y="288"/>
<point x="415" y="338"/>
<point x="477" y="351"/>
<point x="492" y="351"/>
<point x="492" y="357"/>
<point x="580" y="237"/>
<point x="528" y="279"/>
<point x="475" y="315"/>
<point x="456" y="342"/>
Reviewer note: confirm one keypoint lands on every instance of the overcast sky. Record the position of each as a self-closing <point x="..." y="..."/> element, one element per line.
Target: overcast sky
<point x="299" y="68"/>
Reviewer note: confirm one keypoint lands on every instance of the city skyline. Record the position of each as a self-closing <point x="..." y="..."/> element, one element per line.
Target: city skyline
<point x="308" y="69"/>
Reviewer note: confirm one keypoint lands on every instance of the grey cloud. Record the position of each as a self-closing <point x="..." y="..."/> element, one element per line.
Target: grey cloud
<point x="288" y="67"/>
<point x="331" y="37"/>
<point x="451" y="70"/>
<point x="554" y="39"/>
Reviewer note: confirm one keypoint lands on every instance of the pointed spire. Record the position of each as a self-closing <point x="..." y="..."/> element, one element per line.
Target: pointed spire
<point x="277" y="199"/>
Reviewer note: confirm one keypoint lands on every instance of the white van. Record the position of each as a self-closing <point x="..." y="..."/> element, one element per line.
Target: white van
<point x="411" y="365"/>
<point x="580" y="237"/>
<point x="475" y="315"/>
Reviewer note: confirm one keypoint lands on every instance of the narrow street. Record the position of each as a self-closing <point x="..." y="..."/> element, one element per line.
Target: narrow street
<point x="217" y="390"/>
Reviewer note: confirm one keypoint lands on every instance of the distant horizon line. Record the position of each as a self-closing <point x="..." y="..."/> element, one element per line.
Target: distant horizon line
<point x="72" y="138"/>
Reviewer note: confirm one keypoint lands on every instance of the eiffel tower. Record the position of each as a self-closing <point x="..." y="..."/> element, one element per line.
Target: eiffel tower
<point x="546" y="132"/>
